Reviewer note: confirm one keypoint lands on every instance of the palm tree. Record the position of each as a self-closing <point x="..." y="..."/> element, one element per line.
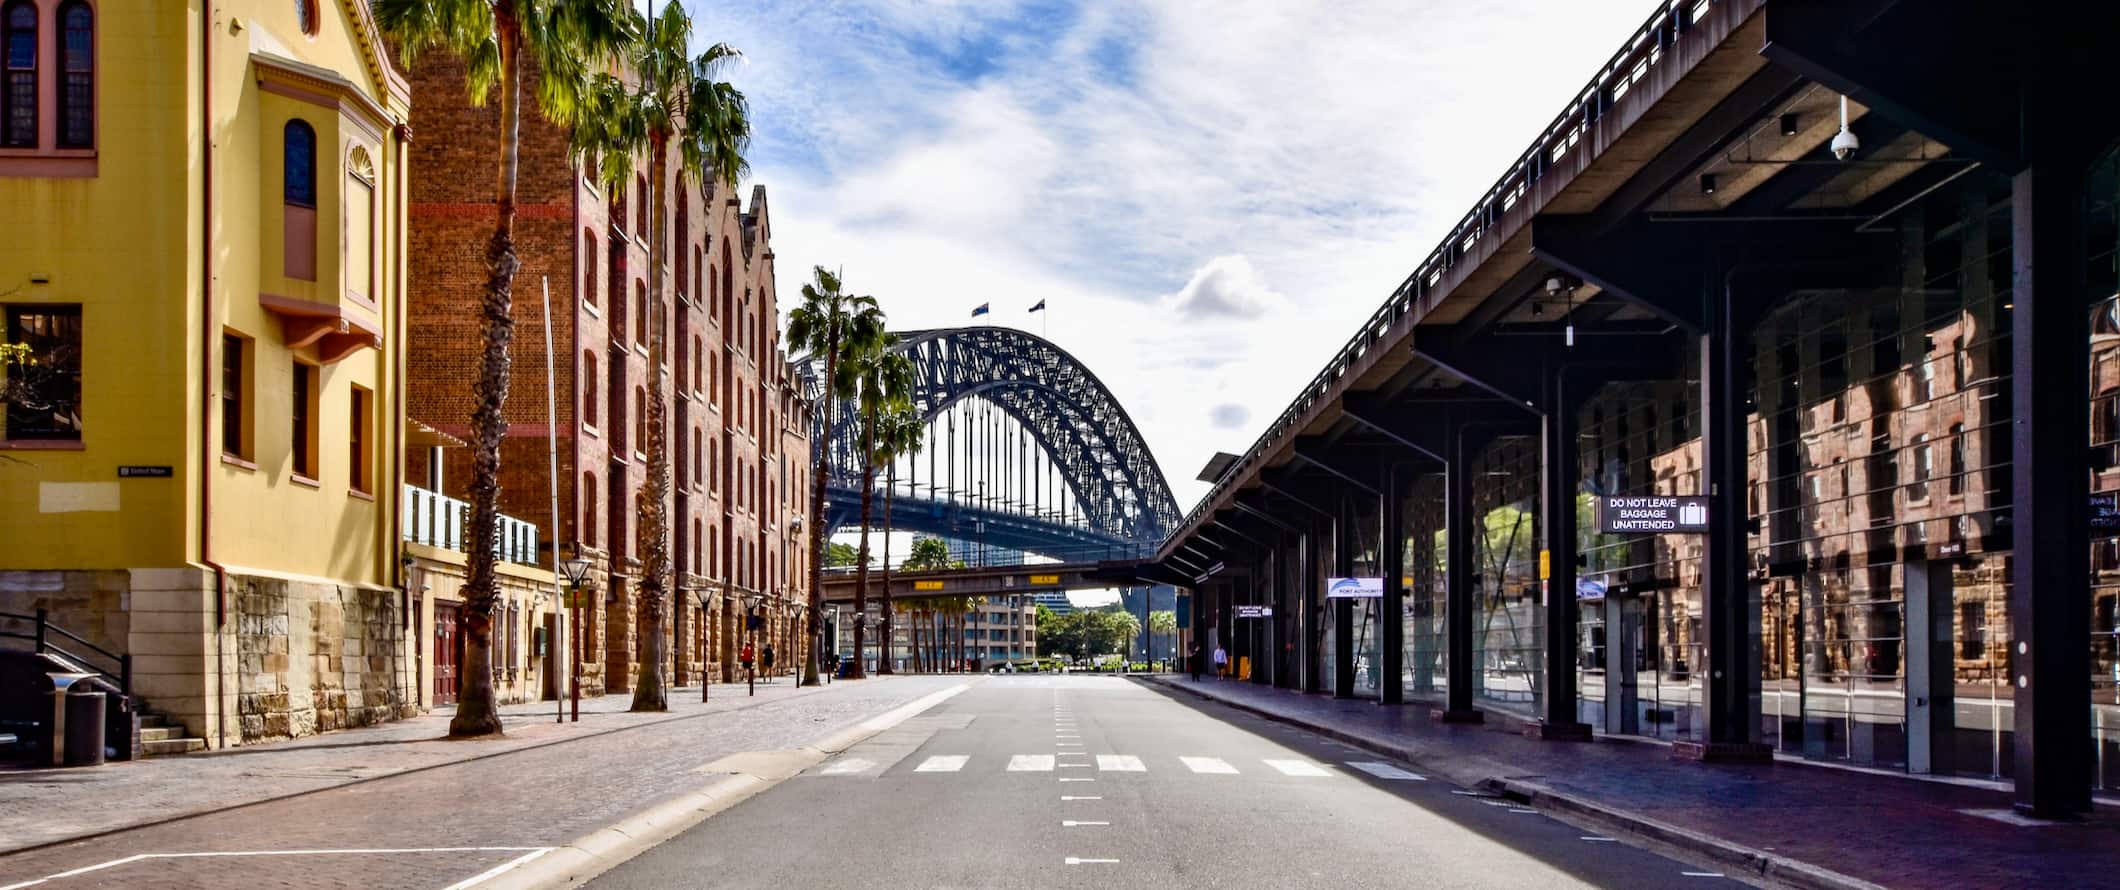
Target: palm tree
<point x="900" y="433"/>
<point x="566" y="39"/>
<point x="883" y="382"/>
<point x="1162" y="623"/>
<point x="838" y="326"/>
<point x="671" y="100"/>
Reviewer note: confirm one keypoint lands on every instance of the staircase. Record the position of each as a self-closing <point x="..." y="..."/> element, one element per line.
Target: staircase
<point x="159" y="736"/>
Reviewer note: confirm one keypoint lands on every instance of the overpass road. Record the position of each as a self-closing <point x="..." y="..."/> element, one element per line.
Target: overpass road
<point x="1078" y="781"/>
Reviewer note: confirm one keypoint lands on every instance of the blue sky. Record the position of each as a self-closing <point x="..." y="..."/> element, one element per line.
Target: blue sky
<point x="1210" y="196"/>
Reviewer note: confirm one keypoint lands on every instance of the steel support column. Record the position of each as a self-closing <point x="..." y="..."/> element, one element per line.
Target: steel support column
<point x="1343" y="608"/>
<point x="2049" y="599"/>
<point x="1559" y="469"/>
<point x="1459" y="577"/>
<point x="1391" y="563"/>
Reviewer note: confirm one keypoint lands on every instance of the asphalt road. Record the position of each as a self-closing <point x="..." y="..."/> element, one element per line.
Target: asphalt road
<point x="1102" y="782"/>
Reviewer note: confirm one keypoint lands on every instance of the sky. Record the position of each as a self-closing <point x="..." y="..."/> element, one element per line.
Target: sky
<point x="1209" y="197"/>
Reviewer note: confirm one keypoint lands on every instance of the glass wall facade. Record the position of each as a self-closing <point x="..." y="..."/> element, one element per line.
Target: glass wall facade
<point x="1508" y="638"/>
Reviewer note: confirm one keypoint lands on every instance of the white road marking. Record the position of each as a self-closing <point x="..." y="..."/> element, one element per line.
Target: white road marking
<point x="1599" y="840"/>
<point x="1301" y="768"/>
<point x="496" y="871"/>
<point x="1469" y="793"/>
<point x="1065" y="779"/>
<point x="530" y="853"/>
<point x="1067" y="744"/>
<point x="942" y="763"/>
<point x="1070" y="823"/>
<point x="1387" y="771"/>
<point x="1074" y="766"/>
<point x="846" y="765"/>
<point x="1076" y="797"/>
<point x="1521" y="810"/>
<point x="1702" y="874"/>
<point x="1120" y="763"/>
<point x="1209" y="765"/>
<point x="1031" y="763"/>
<point x="1075" y="861"/>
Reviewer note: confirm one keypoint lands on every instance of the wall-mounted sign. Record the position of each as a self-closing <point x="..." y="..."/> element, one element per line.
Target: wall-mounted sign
<point x="144" y="472"/>
<point x="1045" y="579"/>
<point x="2105" y="514"/>
<point x="1254" y="611"/>
<point x="1590" y="589"/>
<point x="927" y="585"/>
<point x="1353" y="588"/>
<point x="1678" y="514"/>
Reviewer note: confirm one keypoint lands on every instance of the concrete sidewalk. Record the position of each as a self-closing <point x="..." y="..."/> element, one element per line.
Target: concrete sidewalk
<point x="40" y="807"/>
<point x="1800" y="824"/>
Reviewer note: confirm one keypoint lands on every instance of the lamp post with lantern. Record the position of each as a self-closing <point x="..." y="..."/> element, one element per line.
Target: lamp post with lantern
<point x="576" y="571"/>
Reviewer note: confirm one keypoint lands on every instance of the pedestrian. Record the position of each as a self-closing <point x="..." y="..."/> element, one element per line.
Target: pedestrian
<point x="1192" y="661"/>
<point x="1221" y="662"/>
<point x="767" y="661"/>
<point x="745" y="657"/>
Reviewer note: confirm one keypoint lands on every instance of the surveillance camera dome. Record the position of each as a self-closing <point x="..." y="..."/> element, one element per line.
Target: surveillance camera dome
<point x="1845" y="144"/>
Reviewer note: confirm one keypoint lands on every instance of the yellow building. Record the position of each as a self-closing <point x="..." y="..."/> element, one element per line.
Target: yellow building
<point x="200" y="462"/>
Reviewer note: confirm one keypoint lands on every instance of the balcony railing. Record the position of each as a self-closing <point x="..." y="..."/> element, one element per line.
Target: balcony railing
<point x="438" y="520"/>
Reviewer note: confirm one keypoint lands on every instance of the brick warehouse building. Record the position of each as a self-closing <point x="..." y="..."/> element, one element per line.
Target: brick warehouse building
<point x="740" y="428"/>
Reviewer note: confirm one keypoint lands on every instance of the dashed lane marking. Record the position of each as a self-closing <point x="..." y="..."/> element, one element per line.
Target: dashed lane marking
<point x="846" y="766"/>
<point x="1070" y="823"/>
<point x="1073" y="860"/>
<point x="1209" y="765"/>
<point x="1067" y="779"/>
<point x="1387" y="771"/>
<point x="1599" y="840"/>
<point x="942" y="763"/>
<point x="1299" y="768"/>
<point x="1030" y="763"/>
<point x="1702" y="874"/>
<point x="1079" y="797"/>
<point x="1120" y="763"/>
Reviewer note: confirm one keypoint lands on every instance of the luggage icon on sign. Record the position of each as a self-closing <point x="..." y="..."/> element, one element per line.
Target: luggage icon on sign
<point x="1693" y="513"/>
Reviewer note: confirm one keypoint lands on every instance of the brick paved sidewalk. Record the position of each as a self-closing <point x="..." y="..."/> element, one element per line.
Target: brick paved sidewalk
<point x="1894" y="831"/>
<point x="44" y="806"/>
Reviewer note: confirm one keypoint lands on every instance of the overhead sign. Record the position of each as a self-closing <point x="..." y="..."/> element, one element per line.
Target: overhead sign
<point x="1590" y="588"/>
<point x="1675" y="514"/>
<point x="1254" y="611"/>
<point x="1045" y="579"/>
<point x="927" y="585"/>
<point x="1353" y="588"/>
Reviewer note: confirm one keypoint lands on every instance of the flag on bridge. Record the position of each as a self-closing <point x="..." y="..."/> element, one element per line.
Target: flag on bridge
<point x="1040" y="307"/>
<point x="981" y="310"/>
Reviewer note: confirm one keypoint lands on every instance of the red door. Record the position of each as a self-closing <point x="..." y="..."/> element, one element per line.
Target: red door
<point x="447" y="653"/>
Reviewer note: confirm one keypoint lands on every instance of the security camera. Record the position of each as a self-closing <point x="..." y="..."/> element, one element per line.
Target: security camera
<point x="1845" y="144"/>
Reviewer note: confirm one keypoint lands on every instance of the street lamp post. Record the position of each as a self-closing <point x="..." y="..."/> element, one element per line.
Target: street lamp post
<point x="577" y="572"/>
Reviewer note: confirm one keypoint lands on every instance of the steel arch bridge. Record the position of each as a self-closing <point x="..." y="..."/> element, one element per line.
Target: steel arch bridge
<point x="1090" y="484"/>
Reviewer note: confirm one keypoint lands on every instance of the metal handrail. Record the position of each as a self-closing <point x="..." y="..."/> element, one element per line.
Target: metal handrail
<point x="41" y="643"/>
<point x="1635" y="58"/>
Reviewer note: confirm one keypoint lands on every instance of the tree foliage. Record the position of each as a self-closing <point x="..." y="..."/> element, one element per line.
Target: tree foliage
<point x="837" y="555"/>
<point x="1086" y="633"/>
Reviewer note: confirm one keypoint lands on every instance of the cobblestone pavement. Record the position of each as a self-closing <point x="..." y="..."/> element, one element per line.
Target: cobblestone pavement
<point x="1889" y="829"/>
<point x="433" y="813"/>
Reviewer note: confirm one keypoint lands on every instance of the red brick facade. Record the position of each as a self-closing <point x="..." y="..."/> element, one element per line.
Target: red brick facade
<point x="739" y="431"/>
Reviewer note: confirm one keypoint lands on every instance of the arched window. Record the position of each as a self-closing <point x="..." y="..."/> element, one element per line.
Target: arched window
<point x="18" y="20"/>
<point x="589" y="268"/>
<point x="699" y="366"/>
<point x="699" y="461"/>
<point x="640" y="310"/>
<point x="699" y="286"/>
<point x="640" y="417"/>
<point x="588" y="496"/>
<point x="640" y="186"/>
<point x="77" y="75"/>
<point x="298" y="195"/>
<point x="298" y="183"/>
<point x="305" y="14"/>
<point x="589" y="379"/>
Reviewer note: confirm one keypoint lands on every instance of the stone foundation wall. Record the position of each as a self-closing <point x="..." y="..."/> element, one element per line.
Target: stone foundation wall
<point x="314" y="656"/>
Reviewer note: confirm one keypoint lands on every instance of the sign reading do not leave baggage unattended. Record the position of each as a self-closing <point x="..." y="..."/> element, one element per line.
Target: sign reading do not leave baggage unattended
<point x="1652" y="514"/>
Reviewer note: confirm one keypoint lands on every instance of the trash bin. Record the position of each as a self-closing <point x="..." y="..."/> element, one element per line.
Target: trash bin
<point x="84" y="725"/>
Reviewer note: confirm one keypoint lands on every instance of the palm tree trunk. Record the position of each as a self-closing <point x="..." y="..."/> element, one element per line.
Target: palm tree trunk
<point x="477" y="711"/>
<point x="883" y="663"/>
<point x="868" y="497"/>
<point x="648" y="692"/>
<point x="820" y="459"/>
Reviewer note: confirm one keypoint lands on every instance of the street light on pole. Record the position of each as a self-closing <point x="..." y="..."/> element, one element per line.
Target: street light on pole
<point x="576" y="571"/>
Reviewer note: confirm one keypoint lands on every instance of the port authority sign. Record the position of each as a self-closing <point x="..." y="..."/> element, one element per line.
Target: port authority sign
<point x="1621" y="515"/>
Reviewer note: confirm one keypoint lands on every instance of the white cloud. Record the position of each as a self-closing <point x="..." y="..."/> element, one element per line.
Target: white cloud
<point x="1228" y="415"/>
<point x="1226" y="288"/>
<point x="1127" y="159"/>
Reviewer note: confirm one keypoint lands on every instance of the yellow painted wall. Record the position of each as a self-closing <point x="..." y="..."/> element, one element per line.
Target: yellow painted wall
<point x="124" y="244"/>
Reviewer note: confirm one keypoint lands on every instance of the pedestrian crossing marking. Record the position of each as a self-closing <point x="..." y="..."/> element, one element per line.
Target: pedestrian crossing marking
<point x="1065" y="779"/>
<point x="942" y="763"/>
<point x="1298" y="768"/>
<point x="1120" y="763"/>
<point x="847" y="766"/>
<point x="1031" y="763"/>
<point x="1210" y="765"/>
<point x="1386" y="771"/>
